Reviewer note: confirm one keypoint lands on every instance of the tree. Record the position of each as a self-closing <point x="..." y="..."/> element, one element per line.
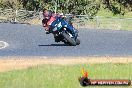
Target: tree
<point x="89" y="7"/>
<point x="14" y="4"/>
<point x="118" y="6"/>
<point x="84" y="7"/>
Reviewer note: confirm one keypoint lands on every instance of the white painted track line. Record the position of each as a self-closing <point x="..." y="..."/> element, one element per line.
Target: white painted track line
<point x="3" y="44"/>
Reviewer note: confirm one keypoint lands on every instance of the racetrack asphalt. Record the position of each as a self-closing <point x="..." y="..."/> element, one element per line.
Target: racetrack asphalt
<point x="31" y="40"/>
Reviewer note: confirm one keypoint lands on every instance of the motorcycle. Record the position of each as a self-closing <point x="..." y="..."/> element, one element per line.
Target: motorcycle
<point x="62" y="33"/>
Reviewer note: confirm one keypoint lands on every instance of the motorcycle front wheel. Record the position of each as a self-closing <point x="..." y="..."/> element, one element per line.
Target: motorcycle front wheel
<point x="77" y="41"/>
<point x="70" y="40"/>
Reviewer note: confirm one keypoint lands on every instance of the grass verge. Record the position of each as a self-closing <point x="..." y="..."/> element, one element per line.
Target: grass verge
<point x="63" y="76"/>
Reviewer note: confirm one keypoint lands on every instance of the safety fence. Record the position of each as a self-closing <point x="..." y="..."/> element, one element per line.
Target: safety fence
<point x="79" y="21"/>
<point x="20" y="16"/>
<point x="99" y="22"/>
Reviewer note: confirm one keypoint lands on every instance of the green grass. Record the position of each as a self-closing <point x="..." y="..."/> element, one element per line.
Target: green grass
<point x="56" y="76"/>
<point x="107" y="23"/>
<point x="114" y="21"/>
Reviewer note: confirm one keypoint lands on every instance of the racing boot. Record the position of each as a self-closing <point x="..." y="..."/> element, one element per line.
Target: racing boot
<point x="47" y="32"/>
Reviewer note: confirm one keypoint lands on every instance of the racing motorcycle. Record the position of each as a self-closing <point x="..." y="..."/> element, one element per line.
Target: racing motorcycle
<point x="62" y="33"/>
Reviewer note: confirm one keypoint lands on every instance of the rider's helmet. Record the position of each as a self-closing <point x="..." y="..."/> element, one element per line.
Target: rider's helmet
<point x="47" y="13"/>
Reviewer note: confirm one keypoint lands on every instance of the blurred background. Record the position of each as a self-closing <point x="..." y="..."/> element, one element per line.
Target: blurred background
<point x="99" y="14"/>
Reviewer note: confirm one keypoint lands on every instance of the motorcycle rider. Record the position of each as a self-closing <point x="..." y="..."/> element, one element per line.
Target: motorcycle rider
<point x="50" y="16"/>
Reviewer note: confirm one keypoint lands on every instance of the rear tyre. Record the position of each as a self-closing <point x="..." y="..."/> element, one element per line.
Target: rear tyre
<point x="71" y="41"/>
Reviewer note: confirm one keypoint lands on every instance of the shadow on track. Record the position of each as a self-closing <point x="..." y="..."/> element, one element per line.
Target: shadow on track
<point x="54" y="45"/>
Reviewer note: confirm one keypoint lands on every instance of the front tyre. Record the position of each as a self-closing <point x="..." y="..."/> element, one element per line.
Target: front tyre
<point x="71" y="41"/>
<point x="77" y="41"/>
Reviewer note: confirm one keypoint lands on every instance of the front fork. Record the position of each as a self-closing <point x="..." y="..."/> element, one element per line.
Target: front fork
<point x="72" y="34"/>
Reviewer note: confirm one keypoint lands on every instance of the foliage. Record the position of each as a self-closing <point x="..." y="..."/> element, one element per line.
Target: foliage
<point x="83" y="7"/>
<point x="118" y="6"/>
<point x="15" y="4"/>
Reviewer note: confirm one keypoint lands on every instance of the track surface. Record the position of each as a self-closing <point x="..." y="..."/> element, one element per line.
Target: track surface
<point x="29" y="40"/>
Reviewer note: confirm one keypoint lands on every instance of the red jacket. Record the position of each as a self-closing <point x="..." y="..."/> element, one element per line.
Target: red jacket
<point x="46" y="23"/>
